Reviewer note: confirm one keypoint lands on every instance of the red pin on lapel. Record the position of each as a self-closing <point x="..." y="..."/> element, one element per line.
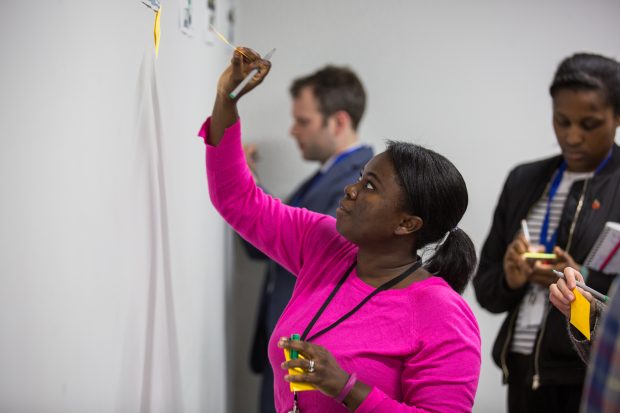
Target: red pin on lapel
<point x="596" y="204"/>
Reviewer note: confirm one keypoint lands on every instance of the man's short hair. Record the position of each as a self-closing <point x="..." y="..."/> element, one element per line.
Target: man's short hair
<point x="335" y="88"/>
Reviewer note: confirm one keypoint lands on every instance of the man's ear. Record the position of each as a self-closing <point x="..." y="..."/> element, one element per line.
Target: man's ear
<point x="409" y="224"/>
<point x="341" y="121"/>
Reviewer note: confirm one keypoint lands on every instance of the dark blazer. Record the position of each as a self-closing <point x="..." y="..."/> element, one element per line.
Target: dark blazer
<point x="324" y="197"/>
<point x="555" y="360"/>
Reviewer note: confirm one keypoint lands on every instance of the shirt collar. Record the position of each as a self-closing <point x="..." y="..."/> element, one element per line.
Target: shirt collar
<point x="331" y="161"/>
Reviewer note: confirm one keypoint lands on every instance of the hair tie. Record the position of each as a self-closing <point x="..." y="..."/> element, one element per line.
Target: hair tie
<point x="446" y="235"/>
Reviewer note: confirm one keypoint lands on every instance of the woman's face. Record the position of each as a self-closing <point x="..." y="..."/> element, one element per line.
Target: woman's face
<point x="585" y="127"/>
<point x="370" y="212"/>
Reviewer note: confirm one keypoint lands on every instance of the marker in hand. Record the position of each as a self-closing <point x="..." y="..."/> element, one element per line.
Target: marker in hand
<point x="294" y="354"/>
<point x="249" y="77"/>
<point x="596" y="294"/>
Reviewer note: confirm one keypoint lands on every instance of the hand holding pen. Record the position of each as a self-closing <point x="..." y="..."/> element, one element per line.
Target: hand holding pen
<point x="250" y="76"/>
<point x="561" y="293"/>
<point x="245" y="63"/>
<point x="250" y="56"/>
<point x="517" y="270"/>
<point x="577" y="281"/>
<point x="246" y="71"/>
<point x="533" y="252"/>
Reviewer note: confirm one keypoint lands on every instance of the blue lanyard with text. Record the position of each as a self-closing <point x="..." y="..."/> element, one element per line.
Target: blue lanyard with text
<point x="549" y="243"/>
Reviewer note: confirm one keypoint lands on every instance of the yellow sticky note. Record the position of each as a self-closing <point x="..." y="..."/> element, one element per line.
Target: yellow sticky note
<point x="580" y="314"/>
<point x="156" y="31"/>
<point x="539" y="255"/>
<point x="297" y="386"/>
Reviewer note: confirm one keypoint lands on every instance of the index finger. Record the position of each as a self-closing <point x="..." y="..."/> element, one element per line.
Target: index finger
<point x="248" y="55"/>
<point x="519" y="244"/>
<point x="302" y="347"/>
<point x="571" y="276"/>
<point x="242" y="56"/>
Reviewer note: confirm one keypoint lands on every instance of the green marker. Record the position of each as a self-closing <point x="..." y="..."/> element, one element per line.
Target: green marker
<point x="294" y="354"/>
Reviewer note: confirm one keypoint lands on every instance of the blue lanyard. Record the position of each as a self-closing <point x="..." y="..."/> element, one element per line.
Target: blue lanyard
<point x="549" y="243"/>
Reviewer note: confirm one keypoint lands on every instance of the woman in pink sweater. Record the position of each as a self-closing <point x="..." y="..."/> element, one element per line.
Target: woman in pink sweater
<point x="380" y="331"/>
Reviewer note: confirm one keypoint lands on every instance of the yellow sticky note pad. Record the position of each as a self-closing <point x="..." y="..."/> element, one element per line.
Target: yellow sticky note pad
<point x="580" y="314"/>
<point x="156" y="31"/>
<point x="539" y="255"/>
<point x="296" y="371"/>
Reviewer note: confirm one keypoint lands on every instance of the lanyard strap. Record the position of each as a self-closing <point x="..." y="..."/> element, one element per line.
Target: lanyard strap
<point x="382" y="287"/>
<point x="549" y="243"/>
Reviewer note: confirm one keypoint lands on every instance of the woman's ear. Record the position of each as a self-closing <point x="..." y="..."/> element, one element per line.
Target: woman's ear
<point x="409" y="224"/>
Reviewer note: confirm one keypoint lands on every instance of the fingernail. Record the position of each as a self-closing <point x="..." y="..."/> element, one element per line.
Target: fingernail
<point x="571" y="297"/>
<point x="282" y="365"/>
<point x="287" y="378"/>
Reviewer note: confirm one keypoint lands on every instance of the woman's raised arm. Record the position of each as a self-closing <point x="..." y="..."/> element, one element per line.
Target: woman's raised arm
<point x="225" y="113"/>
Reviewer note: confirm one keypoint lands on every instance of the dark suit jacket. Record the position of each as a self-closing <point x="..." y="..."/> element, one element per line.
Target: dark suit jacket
<point x="323" y="197"/>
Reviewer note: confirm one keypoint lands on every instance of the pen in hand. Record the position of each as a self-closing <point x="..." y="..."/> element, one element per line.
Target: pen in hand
<point x="525" y="230"/>
<point x="596" y="294"/>
<point x="249" y="77"/>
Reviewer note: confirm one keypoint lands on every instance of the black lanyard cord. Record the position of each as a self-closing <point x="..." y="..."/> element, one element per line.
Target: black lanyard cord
<point x="387" y="285"/>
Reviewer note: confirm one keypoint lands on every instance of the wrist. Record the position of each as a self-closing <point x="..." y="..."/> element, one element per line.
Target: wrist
<point x="346" y="389"/>
<point x="513" y="284"/>
<point x="222" y="97"/>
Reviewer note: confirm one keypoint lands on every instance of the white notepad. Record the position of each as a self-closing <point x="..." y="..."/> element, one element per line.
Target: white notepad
<point x="605" y="254"/>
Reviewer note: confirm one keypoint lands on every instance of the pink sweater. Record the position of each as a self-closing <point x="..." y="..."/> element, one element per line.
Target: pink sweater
<point x="417" y="347"/>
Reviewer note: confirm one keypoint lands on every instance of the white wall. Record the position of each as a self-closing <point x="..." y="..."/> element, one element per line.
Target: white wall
<point x="466" y="78"/>
<point x="112" y="260"/>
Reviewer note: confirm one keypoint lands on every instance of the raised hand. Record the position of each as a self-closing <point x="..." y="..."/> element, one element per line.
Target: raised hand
<point x="224" y="113"/>
<point x="244" y="60"/>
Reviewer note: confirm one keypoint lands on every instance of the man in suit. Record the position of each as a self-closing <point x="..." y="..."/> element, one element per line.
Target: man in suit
<point x="327" y="108"/>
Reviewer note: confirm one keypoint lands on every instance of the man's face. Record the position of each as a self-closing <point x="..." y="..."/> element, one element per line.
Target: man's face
<point x="314" y="134"/>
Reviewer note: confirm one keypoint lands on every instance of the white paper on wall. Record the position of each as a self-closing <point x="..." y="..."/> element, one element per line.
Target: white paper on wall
<point x="160" y="383"/>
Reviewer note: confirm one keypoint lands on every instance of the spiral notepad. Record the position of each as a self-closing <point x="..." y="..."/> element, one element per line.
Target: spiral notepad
<point x="605" y="254"/>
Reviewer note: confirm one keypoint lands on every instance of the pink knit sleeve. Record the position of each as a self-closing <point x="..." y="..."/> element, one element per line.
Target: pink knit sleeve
<point x="441" y="374"/>
<point x="280" y="231"/>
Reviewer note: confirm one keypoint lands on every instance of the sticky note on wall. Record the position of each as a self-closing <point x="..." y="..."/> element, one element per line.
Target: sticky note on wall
<point x="156" y="31"/>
